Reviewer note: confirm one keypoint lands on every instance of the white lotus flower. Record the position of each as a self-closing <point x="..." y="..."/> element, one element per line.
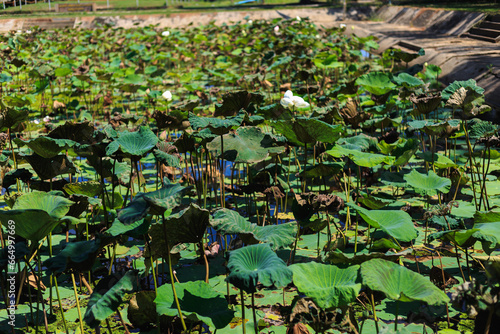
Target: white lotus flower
<point x="167" y="95"/>
<point x="342" y="25"/>
<point x="298" y="18"/>
<point x="276" y="29"/>
<point x="28" y="31"/>
<point x="165" y="33"/>
<point x="289" y="101"/>
<point x="250" y="22"/>
<point x="46" y="119"/>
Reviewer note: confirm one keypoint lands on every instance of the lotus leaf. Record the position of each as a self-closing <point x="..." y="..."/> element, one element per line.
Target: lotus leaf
<point x="56" y="206"/>
<point x="231" y="222"/>
<point x="79" y="256"/>
<point x="136" y="229"/>
<point x="107" y="297"/>
<point x="377" y="83"/>
<point x="31" y="224"/>
<point x="399" y="283"/>
<point x="187" y="226"/>
<point x="397" y="223"/>
<point x="136" y="144"/>
<point x="328" y="285"/>
<point x="87" y="188"/>
<point x="257" y="263"/>
<point x="304" y="131"/>
<point x="247" y="145"/>
<point x="439" y="160"/>
<point x="198" y="302"/>
<point x="363" y="159"/>
<point x="48" y="168"/>
<point x="216" y="125"/>
<point x="429" y="184"/>
<point x="233" y="102"/>
<point x="11" y="118"/>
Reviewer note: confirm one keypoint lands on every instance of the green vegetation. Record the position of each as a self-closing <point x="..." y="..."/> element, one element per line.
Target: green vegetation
<point x="251" y="177"/>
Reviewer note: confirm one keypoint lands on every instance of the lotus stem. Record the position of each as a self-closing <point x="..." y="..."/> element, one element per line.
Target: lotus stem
<point x="243" y="311"/>
<point x="77" y="302"/>
<point x="60" y="306"/>
<point x="396" y="316"/>
<point x="172" y="275"/>
<point x="374" y="313"/>
<point x="256" y="328"/>
<point x="202" y="250"/>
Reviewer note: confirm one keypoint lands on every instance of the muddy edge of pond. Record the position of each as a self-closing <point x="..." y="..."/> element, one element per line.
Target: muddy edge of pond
<point x="436" y="31"/>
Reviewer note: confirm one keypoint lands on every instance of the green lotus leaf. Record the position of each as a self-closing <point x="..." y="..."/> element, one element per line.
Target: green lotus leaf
<point x="302" y="131"/>
<point x="187" y="226"/>
<point x="79" y="256"/>
<point x="48" y="168"/>
<point x="377" y="83"/>
<point x="439" y="160"/>
<point x="257" y="263"/>
<point x="397" y="223"/>
<point x="198" y="302"/>
<point x="107" y="297"/>
<point x="218" y="126"/>
<point x="20" y="251"/>
<point x="233" y="102"/>
<point x="375" y="201"/>
<point x="322" y="170"/>
<point x="141" y="310"/>
<point x="156" y="202"/>
<point x="11" y="118"/>
<point x="429" y="184"/>
<point x="456" y="85"/>
<point x="433" y="128"/>
<point x="135" y="230"/>
<point x="327" y="285"/>
<point x="363" y="159"/>
<point x="167" y="159"/>
<point x="166" y="198"/>
<point x="87" y="188"/>
<point x="360" y="142"/>
<point x="136" y="210"/>
<point x="247" y="145"/>
<point x="482" y="129"/>
<point x="18" y="174"/>
<point x="488" y="234"/>
<point x="404" y="150"/>
<point x="31" y="224"/>
<point x="56" y="206"/>
<point x="399" y="283"/>
<point x="485" y="216"/>
<point x="408" y="81"/>
<point x="46" y="147"/>
<point x="228" y="221"/>
<point x="462" y="238"/>
<point x="81" y="132"/>
<point x="136" y="144"/>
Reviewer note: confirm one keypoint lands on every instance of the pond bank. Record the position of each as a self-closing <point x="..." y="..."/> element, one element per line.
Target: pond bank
<point x="438" y="33"/>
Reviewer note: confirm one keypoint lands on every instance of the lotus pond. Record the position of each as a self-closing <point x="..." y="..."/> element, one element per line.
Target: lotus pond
<point x="266" y="176"/>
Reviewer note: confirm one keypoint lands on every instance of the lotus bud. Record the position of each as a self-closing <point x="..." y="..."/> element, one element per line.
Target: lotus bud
<point x="298" y="18"/>
<point x="276" y="29"/>
<point x="165" y="33"/>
